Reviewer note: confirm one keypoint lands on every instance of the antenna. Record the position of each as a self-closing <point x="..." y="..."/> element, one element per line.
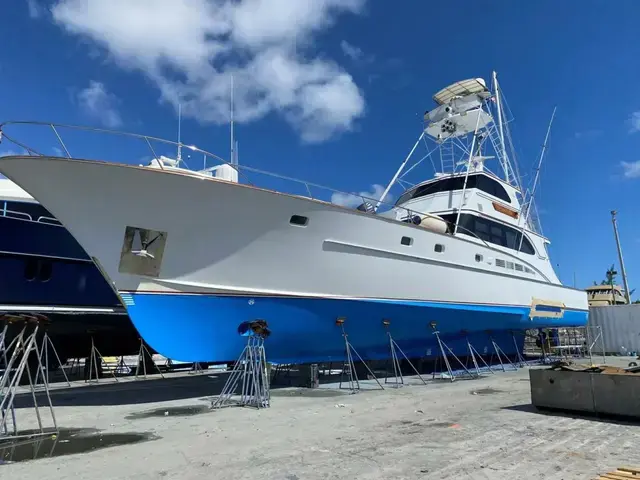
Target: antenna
<point x="505" y="161"/>
<point x="179" y="124"/>
<point x="535" y="182"/>
<point x="232" y="140"/>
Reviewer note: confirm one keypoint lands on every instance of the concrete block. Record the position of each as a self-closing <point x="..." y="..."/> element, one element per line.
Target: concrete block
<point x="617" y="394"/>
<point x="562" y="390"/>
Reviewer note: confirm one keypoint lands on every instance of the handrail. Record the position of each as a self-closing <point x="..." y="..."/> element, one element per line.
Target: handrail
<point x="239" y="168"/>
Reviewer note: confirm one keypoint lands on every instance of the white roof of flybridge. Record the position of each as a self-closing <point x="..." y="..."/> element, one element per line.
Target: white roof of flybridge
<point x="462" y="88"/>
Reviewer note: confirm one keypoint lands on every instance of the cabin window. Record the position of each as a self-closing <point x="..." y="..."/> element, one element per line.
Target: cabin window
<point x="408" y="241"/>
<point x="449" y="184"/>
<point x="500" y="263"/>
<point x="519" y="267"/>
<point x="492" y="232"/>
<point x="478" y="257"/>
<point x="438" y="248"/>
<point x="299" y="220"/>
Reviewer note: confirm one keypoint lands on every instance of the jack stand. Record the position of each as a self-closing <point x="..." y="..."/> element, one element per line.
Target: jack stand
<point x="122" y="368"/>
<point x="46" y="343"/>
<point x="143" y="355"/>
<point x="250" y="372"/>
<point x="23" y="346"/>
<point x="444" y="348"/>
<point x="349" y="365"/>
<point x="500" y="353"/>
<point x="519" y="356"/>
<point x="196" y="368"/>
<point x="474" y="354"/>
<point x="3" y="350"/>
<point x="397" y="371"/>
<point x="95" y="359"/>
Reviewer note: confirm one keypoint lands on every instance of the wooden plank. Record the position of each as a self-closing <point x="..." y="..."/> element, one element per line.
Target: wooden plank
<point x="632" y="470"/>
<point x="616" y="476"/>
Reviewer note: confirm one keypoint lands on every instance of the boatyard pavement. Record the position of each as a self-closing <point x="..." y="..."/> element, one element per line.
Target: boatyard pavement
<point x="469" y="429"/>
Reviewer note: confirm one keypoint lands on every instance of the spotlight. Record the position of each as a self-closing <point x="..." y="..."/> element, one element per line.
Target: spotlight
<point x="341" y="320"/>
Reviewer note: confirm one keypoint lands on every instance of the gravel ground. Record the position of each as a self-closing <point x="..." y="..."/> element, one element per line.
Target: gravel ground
<point x="469" y="429"/>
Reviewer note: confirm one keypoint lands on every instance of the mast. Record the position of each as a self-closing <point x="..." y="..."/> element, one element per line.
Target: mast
<point x="505" y="161"/>
<point x="622" y="270"/>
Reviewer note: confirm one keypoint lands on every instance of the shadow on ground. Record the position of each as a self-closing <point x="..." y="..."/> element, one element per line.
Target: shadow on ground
<point x="612" y="419"/>
<point x="127" y="392"/>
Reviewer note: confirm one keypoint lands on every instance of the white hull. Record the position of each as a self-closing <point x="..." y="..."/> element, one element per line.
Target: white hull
<point x="228" y="238"/>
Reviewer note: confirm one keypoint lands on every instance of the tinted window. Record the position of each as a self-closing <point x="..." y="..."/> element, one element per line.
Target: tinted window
<point x="481" y="182"/>
<point x="491" y="232"/>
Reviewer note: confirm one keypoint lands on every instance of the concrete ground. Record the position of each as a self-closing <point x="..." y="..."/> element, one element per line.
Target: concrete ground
<point x="469" y="429"/>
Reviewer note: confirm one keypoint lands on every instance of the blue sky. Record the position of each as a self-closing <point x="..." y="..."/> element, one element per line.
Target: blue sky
<point x="333" y="91"/>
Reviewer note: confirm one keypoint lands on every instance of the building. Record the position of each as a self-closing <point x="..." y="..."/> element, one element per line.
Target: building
<point x="600" y="295"/>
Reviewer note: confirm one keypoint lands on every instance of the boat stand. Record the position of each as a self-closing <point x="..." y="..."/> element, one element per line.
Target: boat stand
<point x="474" y="355"/>
<point x="21" y="349"/>
<point x="499" y="353"/>
<point x="349" y="367"/>
<point x="444" y="348"/>
<point x="196" y="368"/>
<point x="3" y="350"/>
<point x="143" y="355"/>
<point x="521" y="361"/>
<point x="47" y="344"/>
<point x="249" y="373"/>
<point x="95" y="359"/>
<point x="398" y="379"/>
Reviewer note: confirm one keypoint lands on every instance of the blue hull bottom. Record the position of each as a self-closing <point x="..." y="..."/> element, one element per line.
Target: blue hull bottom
<point x="204" y="328"/>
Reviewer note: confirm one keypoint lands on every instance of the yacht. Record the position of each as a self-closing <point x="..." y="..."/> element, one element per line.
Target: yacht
<point x="43" y="269"/>
<point x="195" y="256"/>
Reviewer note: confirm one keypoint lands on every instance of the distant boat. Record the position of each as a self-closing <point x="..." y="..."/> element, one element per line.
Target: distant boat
<point x="44" y="269"/>
<point x="459" y="253"/>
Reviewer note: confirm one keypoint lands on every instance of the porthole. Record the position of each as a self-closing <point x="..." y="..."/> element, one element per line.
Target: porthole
<point x="408" y="241"/>
<point x="30" y="269"/>
<point x="478" y="257"/>
<point x="45" y="272"/>
<point x="439" y="248"/>
<point x="299" y="220"/>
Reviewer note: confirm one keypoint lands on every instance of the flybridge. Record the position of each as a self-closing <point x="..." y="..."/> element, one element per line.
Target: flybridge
<point x="465" y="134"/>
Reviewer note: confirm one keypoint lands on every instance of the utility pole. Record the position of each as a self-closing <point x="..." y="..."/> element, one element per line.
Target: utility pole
<point x="622" y="270"/>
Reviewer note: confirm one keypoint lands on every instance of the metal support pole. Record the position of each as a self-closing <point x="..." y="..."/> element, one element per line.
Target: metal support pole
<point x="622" y="270"/>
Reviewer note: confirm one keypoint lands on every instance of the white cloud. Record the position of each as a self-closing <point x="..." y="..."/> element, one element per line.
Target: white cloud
<point x="631" y="169"/>
<point x="351" y="51"/>
<point x="97" y="102"/>
<point x="634" y="121"/>
<point x="190" y="48"/>
<point x="35" y="9"/>
<point x="355" y="199"/>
